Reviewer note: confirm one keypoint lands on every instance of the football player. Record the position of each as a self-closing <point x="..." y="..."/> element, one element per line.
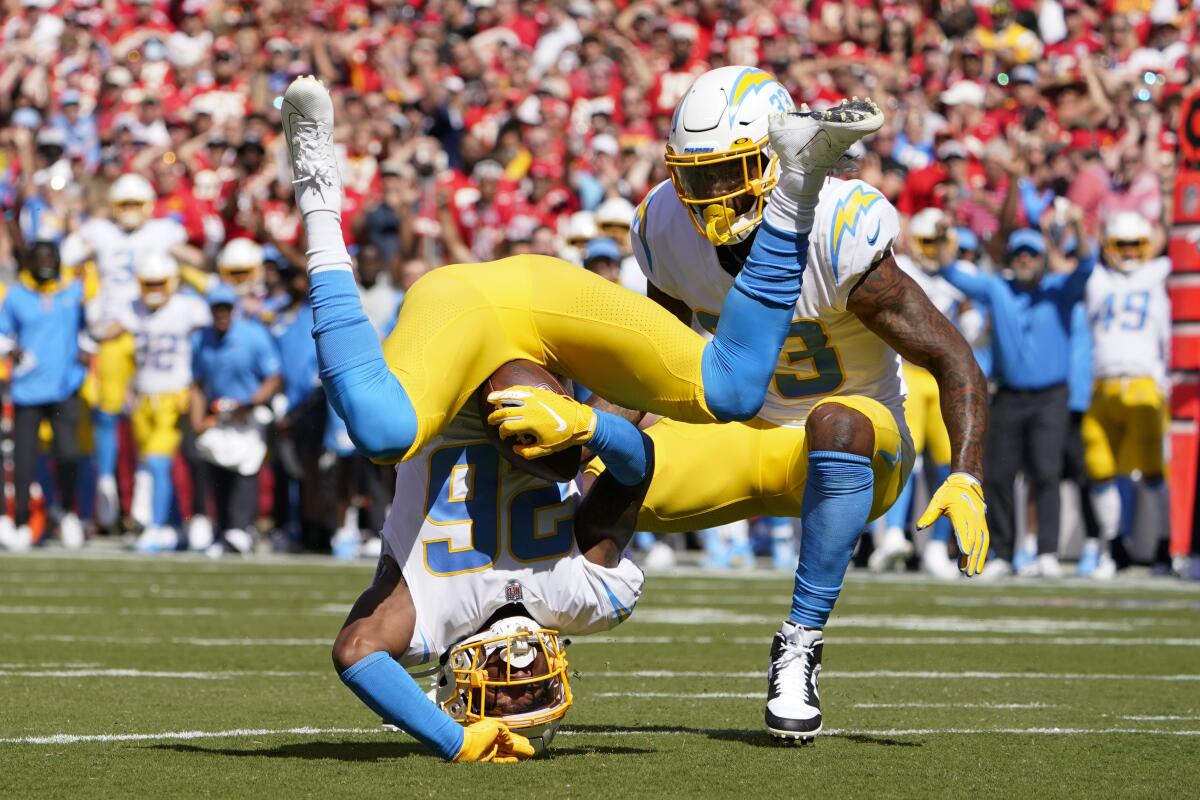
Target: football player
<point x="161" y="321"/>
<point x="480" y="572"/>
<point x="1130" y="317"/>
<point x="740" y="173"/>
<point x="117" y="245"/>
<point x="461" y="322"/>
<point x="933" y="244"/>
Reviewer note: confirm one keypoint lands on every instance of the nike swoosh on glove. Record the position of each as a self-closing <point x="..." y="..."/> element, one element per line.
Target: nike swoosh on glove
<point x="960" y="499"/>
<point x="491" y="740"/>
<point x="543" y="421"/>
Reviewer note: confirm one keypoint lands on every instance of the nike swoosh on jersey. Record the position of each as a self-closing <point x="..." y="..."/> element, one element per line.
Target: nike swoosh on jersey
<point x="874" y="237"/>
<point x="562" y="423"/>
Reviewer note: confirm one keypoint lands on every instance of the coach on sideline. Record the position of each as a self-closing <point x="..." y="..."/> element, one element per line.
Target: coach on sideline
<point x="1031" y="328"/>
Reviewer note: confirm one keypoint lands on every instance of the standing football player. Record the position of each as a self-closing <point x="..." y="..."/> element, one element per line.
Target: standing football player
<point x="740" y="176"/>
<point x="1123" y="430"/>
<point x="117" y="245"/>
<point x="162" y="322"/>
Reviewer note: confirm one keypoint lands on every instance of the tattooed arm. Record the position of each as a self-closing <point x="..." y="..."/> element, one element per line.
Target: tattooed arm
<point x="896" y="310"/>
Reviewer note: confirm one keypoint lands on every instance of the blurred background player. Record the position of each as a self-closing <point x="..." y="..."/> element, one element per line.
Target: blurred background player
<point x="161" y="321"/>
<point x="1123" y="431"/>
<point x="236" y="372"/>
<point x="240" y="267"/>
<point x="42" y="326"/>
<point x="933" y="245"/>
<point x="116" y="246"/>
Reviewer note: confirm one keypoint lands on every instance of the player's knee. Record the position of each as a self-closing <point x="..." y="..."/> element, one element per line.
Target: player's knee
<point x="352" y="645"/>
<point x="840" y="429"/>
<point x="378" y="429"/>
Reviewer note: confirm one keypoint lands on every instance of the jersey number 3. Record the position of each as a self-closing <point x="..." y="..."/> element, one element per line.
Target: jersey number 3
<point x="464" y="490"/>
<point x="816" y="367"/>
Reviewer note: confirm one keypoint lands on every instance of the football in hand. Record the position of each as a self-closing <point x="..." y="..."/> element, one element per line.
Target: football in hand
<point x="559" y="467"/>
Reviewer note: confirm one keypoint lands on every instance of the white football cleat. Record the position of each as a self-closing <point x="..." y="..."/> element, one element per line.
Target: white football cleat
<point x="793" y="702"/>
<point x="108" y="504"/>
<point x="1044" y="566"/>
<point x="239" y="541"/>
<point x="199" y="533"/>
<point x="809" y="144"/>
<point x="891" y="553"/>
<point x="935" y="561"/>
<point x="70" y="532"/>
<point x="19" y="540"/>
<point x="659" y="558"/>
<point x="307" y="112"/>
<point x="1106" y="569"/>
<point x="996" y="569"/>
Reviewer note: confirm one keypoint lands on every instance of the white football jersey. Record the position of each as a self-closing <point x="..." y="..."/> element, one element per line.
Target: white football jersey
<point x="828" y="351"/>
<point x="163" y="339"/>
<point x="1130" y="316"/>
<point x="472" y="534"/>
<point x="947" y="299"/>
<point x="116" y="253"/>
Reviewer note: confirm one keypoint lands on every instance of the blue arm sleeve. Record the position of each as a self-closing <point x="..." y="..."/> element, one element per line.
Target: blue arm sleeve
<point x="366" y="395"/>
<point x="738" y="363"/>
<point x="976" y="287"/>
<point x="389" y="691"/>
<point x="622" y="447"/>
<point x="1076" y="283"/>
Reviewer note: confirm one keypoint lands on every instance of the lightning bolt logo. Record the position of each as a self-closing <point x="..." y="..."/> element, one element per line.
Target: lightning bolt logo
<point x="749" y="82"/>
<point x="849" y="210"/>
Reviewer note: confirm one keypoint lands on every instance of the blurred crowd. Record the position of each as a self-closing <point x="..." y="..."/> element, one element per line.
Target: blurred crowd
<point x="469" y="131"/>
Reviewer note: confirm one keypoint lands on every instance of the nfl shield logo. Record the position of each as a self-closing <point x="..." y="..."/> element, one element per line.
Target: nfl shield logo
<point x="512" y="592"/>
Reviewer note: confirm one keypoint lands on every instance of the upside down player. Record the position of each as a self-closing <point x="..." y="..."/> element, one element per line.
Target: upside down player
<point x="743" y="178"/>
<point x="481" y="567"/>
<point x="460" y="323"/>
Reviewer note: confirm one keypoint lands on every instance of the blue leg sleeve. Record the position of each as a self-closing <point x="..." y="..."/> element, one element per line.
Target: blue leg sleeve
<point x="375" y="407"/>
<point x="622" y="446"/>
<point x="837" y="502"/>
<point x="163" y="494"/>
<point x="387" y="688"/>
<point x="900" y="514"/>
<point x="104" y="432"/>
<point x="738" y="363"/>
<point x="942" y="529"/>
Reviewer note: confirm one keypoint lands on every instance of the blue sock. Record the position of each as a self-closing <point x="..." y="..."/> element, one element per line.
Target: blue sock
<point x="387" y="688"/>
<point x="163" y="492"/>
<point x="104" y="433"/>
<point x="837" y="502"/>
<point x="378" y="414"/>
<point x="942" y="529"/>
<point x="756" y="315"/>
<point x="622" y="446"/>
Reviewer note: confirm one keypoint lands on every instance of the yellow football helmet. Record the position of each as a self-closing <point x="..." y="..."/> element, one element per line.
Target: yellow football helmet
<point x="132" y="199"/>
<point x="933" y="242"/>
<point x="158" y="276"/>
<point x="240" y="265"/>
<point x="514" y="671"/>
<point x="718" y="153"/>
<point x="1127" y="241"/>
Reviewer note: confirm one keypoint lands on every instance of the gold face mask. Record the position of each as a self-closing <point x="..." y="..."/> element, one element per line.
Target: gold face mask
<point x="724" y="191"/>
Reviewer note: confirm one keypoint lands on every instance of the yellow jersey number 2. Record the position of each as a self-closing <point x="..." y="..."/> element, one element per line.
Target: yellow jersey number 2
<point x="816" y="366"/>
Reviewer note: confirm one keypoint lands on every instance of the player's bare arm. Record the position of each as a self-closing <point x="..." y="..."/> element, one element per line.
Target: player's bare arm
<point x="893" y="307"/>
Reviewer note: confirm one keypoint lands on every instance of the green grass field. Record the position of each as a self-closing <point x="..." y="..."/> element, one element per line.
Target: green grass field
<point x="126" y="677"/>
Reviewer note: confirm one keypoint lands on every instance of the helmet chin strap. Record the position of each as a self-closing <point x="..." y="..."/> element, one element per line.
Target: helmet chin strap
<point x="718" y="223"/>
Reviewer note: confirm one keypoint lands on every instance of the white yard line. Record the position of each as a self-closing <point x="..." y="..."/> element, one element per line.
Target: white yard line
<point x="166" y="611"/>
<point x="234" y="733"/>
<point x="902" y="641"/>
<point x="192" y="675"/>
<point x="909" y="675"/>
<point x="908" y="622"/>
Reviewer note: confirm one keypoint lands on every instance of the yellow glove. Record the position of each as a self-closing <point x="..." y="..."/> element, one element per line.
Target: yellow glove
<point x="960" y="498"/>
<point x="543" y="422"/>
<point x="491" y="740"/>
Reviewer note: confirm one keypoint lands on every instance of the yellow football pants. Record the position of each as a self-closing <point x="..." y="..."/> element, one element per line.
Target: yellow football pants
<point x="459" y="322"/>
<point x="715" y="474"/>
<point x="114" y="371"/>
<point x="1123" y="430"/>
<point x="923" y="411"/>
<point x="155" y="423"/>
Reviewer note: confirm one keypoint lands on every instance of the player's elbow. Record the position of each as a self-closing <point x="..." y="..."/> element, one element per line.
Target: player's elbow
<point x="378" y="415"/>
<point x="735" y="401"/>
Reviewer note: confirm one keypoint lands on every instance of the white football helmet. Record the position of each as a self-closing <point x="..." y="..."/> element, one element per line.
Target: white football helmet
<point x="514" y="662"/>
<point x="132" y="199"/>
<point x="615" y="212"/>
<point x="580" y="229"/>
<point x="240" y="265"/>
<point x="1127" y="240"/>
<point x="718" y="153"/>
<point x="932" y="239"/>
<point x="158" y="276"/>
